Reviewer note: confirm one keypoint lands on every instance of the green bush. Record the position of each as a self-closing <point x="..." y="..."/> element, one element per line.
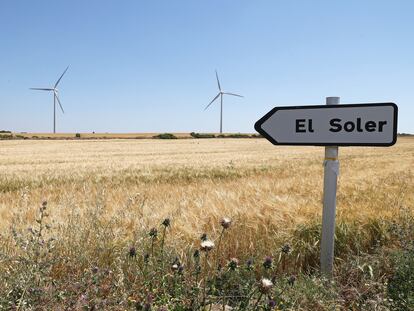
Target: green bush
<point x="5" y="137"/>
<point x="238" y="135"/>
<point x="78" y="135"/>
<point x="401" y="284"/>
<point x="202" y="135"/>
<point x="165" y="136"/>
<point x="235" y="135"/>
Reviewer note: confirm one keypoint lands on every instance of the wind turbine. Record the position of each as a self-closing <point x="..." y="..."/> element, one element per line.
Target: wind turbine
<point x="55" y="97"/>
<point x="220" y="94"/>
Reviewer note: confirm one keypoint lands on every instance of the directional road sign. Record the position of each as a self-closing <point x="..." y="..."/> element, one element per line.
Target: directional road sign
<point x="336" y="125"/>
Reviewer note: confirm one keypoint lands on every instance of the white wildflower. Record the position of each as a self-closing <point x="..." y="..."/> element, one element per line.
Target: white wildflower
<point x="207" y="245"/>
<point x="225" y="222"/>
<point x="265" y="285"/>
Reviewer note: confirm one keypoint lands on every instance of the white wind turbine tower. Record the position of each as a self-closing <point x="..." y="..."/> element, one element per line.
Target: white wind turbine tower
<point x="220" y="94"/>
<point x="55" y="97"/>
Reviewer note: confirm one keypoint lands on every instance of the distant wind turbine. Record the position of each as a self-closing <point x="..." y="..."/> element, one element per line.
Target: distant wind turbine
<point x="220" y="94"/>
<point x="55" y="97"/>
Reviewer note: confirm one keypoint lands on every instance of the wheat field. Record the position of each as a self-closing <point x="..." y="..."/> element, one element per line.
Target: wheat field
<point x="195" y="182"/>
<point x="103" y="196"/>
<point x="198" y="181"/>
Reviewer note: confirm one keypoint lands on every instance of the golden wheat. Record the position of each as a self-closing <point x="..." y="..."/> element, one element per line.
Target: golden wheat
<point x="267" y="190"/>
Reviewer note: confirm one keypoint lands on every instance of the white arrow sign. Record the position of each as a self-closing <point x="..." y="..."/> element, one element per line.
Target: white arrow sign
<point x="338" y="125"/>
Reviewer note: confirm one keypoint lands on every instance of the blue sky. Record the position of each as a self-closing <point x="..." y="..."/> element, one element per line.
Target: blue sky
<point x="148" y="66"/>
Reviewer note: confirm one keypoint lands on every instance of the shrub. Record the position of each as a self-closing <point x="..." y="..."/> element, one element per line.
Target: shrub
<point x="202" y="135"/>
<point x="78" y="135"/>
<point x="5" y="137"/>
<point x="165" y="136"/>
<point x="238" y="135"/>
<point x="235" y="135"/>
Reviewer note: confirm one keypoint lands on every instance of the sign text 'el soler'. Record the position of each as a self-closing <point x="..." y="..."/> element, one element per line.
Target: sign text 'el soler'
<point x="340" y="125"/>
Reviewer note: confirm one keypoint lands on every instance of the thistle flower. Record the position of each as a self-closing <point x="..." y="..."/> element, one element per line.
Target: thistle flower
<point x="153" y="233"/>
<point x="176" y="264"/>
<point x="175" y="267"/>
<point x="196" y="253"/>
<point x="204" y="237"/>
<point x="267" y="263"/>
<point x="198" y="269"/>
<point x="146" y="257"/>
<point x="166" y="223"/>
<point x="291" y="280"/>
<point x="43" y="208"/>
<point x="286" y="249"/>
<point x="225" y="222"/>
<point x="249" y="263"/>
<point x="132" y="252"/>
<point x="207" y="245"/>
<point x="265" y="285"/>
<point x="271" y="303"/>
<point x="233" y="264"/>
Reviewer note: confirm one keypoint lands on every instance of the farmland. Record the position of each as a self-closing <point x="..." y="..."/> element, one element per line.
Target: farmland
<point x="104" y="197"/>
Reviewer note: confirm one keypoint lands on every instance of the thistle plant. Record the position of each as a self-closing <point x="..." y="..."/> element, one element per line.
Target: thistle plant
<point x="165" y="224"/>
<point x="206" y="246"/>
<point x="265" y="285"/>
<point x="225" y="223"/>
<point x="283" y="256"/>
<point x="153" y="236"/>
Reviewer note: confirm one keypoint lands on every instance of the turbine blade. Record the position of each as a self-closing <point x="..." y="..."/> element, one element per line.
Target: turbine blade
<point x="61" y="76"/>
<point x="212" y="101"/>
<point x="59" y="103"/>
<point x="218" y="82"/>
<point x="40" y="89"/>
<point x="232" y="94"/>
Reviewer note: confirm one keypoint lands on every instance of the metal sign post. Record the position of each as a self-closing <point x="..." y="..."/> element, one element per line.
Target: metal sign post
<point x="331" y="125"/>
<point x="331" y="172"/>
